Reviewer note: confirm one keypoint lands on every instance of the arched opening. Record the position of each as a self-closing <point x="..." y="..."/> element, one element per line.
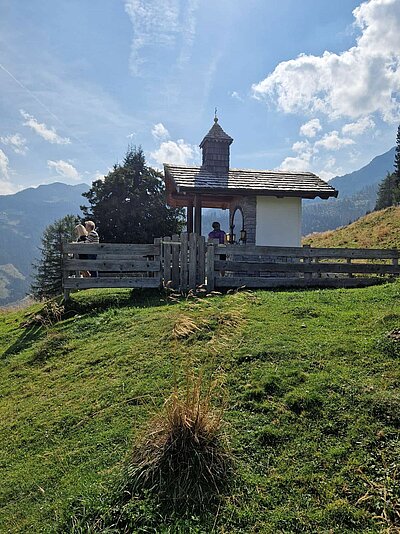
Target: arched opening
<point x="236" y="226"/>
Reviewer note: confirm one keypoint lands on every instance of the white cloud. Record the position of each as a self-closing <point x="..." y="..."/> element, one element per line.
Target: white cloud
<point x="16" y="142"/>
<point x="6" y="187"/>
<point x="300" y="163"/>
<point x="327" y="175"/>
<point x="236" y="96"/>
<point x="160" y="132"/>
<point x="310" y="128"/>
<point x="167" y="24"/>
<point x="358" y="127"/>
<point x="360" y="81"/>
<point x="48" y="134"/>
<point x="178" y="153"/>
<point x="300" y="146"/>
<point x="4" y="165"/>
<point x="332" y="141"/>
<point x="64" y="169"/>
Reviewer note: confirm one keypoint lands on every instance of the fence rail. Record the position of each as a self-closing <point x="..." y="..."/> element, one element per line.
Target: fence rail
<point x="186" y="261"/>
<point x="111" y="265"/>
<point x="255" y="266"/>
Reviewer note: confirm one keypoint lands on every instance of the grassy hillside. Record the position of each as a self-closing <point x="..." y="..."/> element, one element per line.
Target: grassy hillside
<point x="379" y="229"/>
<point x="311" y="384"/>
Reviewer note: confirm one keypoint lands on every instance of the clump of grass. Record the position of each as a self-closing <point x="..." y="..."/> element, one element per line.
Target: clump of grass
<point x="183" y="460"/>
<point x="184" y="327"/>
<point x="51" y="313"/>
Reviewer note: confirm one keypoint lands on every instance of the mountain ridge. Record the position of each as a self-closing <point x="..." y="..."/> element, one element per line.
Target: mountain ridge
<point x="23" y="217"/>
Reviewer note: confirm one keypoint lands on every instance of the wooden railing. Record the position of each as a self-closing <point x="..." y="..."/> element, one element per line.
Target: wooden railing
<point x="256" y="266"/>
<point x="116" y="265"/>
<point x="184" y="262"/>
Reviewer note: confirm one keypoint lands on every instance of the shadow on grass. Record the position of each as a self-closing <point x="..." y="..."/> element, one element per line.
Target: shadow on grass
<point x="25" y="340"/>
<point x="89" y="301"/>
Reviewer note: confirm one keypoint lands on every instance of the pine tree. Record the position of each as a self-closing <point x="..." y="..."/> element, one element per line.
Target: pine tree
<point x="397" y="155"/>
<point x="388" y="192"/>
<point x="389" y="188"/>
<point x="47" y="280"/>
<point x="129" y="204"/>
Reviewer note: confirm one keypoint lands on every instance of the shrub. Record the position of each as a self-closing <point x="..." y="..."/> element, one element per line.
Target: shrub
<point x="183" y="459"/>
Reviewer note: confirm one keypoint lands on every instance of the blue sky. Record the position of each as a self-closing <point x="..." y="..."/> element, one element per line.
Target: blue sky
<point x="311" y="85"/>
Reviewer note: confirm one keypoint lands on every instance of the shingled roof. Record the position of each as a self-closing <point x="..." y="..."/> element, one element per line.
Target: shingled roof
<point x="216" y="133"/>
<point x="184" y="179"/>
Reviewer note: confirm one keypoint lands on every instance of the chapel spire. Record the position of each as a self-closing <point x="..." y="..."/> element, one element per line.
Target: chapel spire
<point x="215" y="148"/>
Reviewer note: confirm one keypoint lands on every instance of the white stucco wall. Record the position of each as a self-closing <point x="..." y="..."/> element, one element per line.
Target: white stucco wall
<point x="278" y="221"/>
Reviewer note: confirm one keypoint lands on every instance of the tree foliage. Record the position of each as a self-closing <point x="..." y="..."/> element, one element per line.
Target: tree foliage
<point x="47" y="277"/>
<point x="388" y="192"/>
<point x="397" y="155"/>
<point x="389" y="188"/>
<point x="129" y="204"/>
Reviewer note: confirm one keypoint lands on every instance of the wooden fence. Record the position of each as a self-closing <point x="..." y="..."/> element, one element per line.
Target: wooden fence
<point x="116" y="265"/>
<point x="230" y="266"/>
<point x="186" y="261"/>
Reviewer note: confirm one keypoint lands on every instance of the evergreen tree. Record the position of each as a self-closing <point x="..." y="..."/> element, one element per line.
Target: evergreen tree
<point x="389" y="188"/>
<point x="47" y="280"/>
<point x="388" y="192"/>
<point x="129" y="205"/>
<point x="397" y="155"/>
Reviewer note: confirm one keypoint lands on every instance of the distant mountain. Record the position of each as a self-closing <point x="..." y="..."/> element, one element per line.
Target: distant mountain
<point x="23" y="217"/>
<point x="357" y="196"/>
<point x="371" y="174"/>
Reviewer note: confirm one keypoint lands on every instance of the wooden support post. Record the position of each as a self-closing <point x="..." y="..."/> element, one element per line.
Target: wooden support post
<point x="348" y="260"/>
<point x="201" y="260"/>
<point x="197" y="215"/>
<point x="192" y="260"/>
<point x="166" y="260"/>
<point x="175" y="261"/>
<point x="189" y="219"/>
<point x="64" y="256"/>
<point x="316" y="260"/>
<point x="184" y="262"/>
<point x="158" y="255"/>
<point x="210" y="266"/>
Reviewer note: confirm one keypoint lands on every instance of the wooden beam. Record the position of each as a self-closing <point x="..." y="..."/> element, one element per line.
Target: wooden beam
<point x="207" y="201"/>
<point x="189" y="219"/>
<point x="197" y="214"/>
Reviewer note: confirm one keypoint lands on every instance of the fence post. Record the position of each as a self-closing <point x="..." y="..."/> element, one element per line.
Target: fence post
<point x="64" y="272"/>
<point x="348" y="261"/>
<point x="184" y="261"/>
<point x="166" y="259"/>
<point x="192" y="260"/>
<point x="175" y="261"/>
<point x="201" y="260"/>
<point x="210" y="266"/>
<point x="158" y="241"/>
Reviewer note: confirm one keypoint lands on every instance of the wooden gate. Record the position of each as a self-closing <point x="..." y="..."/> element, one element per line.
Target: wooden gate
<point x="183" y="259"/>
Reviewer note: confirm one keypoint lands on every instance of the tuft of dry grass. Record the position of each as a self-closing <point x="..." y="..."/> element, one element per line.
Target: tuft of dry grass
<point x="183" y="459"/>
<point x="184" y="327"/>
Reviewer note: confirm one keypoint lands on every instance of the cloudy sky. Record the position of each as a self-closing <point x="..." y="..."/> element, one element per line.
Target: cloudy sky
<point x="311" y="85"/>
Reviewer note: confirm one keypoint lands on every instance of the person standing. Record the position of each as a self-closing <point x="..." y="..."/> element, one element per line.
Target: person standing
<point x="92" y="238"/>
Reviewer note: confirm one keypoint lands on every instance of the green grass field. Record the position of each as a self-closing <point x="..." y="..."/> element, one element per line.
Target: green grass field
<point x="379" y="229"/>
<point x="311" y="385"/>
